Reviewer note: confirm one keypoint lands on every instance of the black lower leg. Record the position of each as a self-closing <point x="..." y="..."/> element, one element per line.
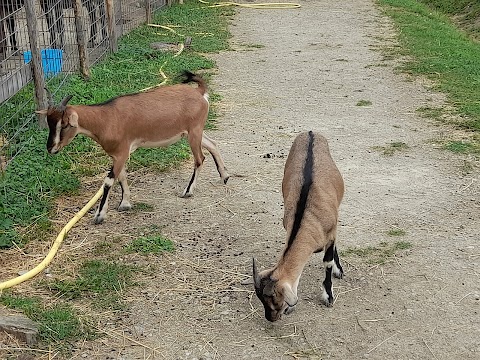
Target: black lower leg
<point x="189" y="186"/>
<point x="327" y="283"/>
<point x="106" y="190"/>
<point x="327" y="260"/>
<point x="329" y="253"/>
<point x="337" y="260"/>
<point x="121" y="187"/>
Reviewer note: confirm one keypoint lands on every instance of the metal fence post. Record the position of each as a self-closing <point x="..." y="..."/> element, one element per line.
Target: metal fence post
<point x="39" y="81"/>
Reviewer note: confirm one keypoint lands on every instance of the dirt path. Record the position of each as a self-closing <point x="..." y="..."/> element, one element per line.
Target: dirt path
<point x="314" y="65"/>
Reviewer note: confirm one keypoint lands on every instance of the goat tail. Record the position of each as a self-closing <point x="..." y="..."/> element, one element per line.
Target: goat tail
<point x="191" y="77"/>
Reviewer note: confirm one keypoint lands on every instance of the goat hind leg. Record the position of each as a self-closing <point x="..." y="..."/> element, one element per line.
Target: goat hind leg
<point x="210" y="145"/>
<point x="328" y="261"/>
<point x="125" y="203"/>
<point x="337" y="267"/>
<point x="195" y="145"/>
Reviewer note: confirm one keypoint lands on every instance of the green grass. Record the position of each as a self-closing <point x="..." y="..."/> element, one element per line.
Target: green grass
<point x="98" y="280"/>
<point x="364" y="103"/>
<point x="459" y="146"/>
<point x="396" y="232"/>
<point x="442" y="52"/>
<point x="57" y="322"/>
<point x="152" y="244"/>
<point x="377" y="255"/>
<point x="391" y="148"/>
<point x="34" y="179"/>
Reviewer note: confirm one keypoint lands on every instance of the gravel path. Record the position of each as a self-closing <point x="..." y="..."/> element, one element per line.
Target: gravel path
<point x="296" y="70"/>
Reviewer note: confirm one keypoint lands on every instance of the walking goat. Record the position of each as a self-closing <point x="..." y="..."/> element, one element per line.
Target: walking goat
<point x="312" y="191"/>
<point x="156" y="118"/>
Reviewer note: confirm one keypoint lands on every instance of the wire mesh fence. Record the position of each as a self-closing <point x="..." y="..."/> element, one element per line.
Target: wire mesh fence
<point x="42" y="42"/>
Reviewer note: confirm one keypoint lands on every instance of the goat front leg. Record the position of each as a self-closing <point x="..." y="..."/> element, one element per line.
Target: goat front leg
<point x="116" y="170"/>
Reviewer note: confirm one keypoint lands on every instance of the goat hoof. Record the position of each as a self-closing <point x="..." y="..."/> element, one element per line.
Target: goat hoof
<point x="98" y="219"/>
<point x="226" y="179"/>
<point x="124" y="207"/>
<point x="327" y="300"/>
<point x="186" y="195"/>
<point x="338" y="275"/>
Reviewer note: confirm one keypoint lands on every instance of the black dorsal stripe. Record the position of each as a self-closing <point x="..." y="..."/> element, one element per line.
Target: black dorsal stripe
<point x="302" y="200"/>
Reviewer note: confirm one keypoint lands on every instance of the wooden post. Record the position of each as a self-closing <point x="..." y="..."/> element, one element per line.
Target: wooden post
<point x="111" y="25"/>
<point x="81" y="39"/>
<point x="36" y="62"/>
<point x="148" y="12"/>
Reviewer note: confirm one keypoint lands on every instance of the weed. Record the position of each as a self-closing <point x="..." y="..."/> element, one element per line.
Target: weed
<point x="154" y="244"/>
<point x="435" y="113"/>
<point x="375" y="255"/>
<point x="143" y="207"/>
<point x="392" y="148"/>
<point x="462" y="147"/>
<point x="364" y="103"/>
<point x="396" y="232"/>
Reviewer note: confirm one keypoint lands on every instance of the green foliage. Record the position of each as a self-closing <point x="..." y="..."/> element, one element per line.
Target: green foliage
<point x="442" y="52"/>
<point x="34" y="179"/>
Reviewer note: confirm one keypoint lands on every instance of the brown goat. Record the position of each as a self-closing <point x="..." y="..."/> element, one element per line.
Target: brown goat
<point x="156" y="118"/>
<point x="312" y="191"/>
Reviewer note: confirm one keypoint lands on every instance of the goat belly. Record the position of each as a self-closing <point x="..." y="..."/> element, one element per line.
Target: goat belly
<point x="153" y="143"/>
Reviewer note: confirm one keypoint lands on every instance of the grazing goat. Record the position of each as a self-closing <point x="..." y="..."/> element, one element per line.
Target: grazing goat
<point x="312" y="191"/>
<point x="156" y="118"/>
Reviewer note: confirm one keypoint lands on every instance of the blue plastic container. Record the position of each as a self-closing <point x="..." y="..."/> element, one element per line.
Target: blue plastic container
<point x="52" y="60"/>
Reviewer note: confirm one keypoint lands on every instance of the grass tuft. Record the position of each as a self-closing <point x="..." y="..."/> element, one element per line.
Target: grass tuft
<point x="152" y="244"/>
<point x="377" y="255"/>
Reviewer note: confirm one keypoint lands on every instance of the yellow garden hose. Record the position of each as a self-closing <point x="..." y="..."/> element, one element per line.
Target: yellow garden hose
<point x="254" y="6"/>
<point x="55" y="246"/>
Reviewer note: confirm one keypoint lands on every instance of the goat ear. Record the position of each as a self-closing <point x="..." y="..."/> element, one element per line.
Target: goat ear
<point x="42" y="112"/>
<point x="289" y="296"/>
<point x="73" y="119"/>
<point x="256" y="277"/>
